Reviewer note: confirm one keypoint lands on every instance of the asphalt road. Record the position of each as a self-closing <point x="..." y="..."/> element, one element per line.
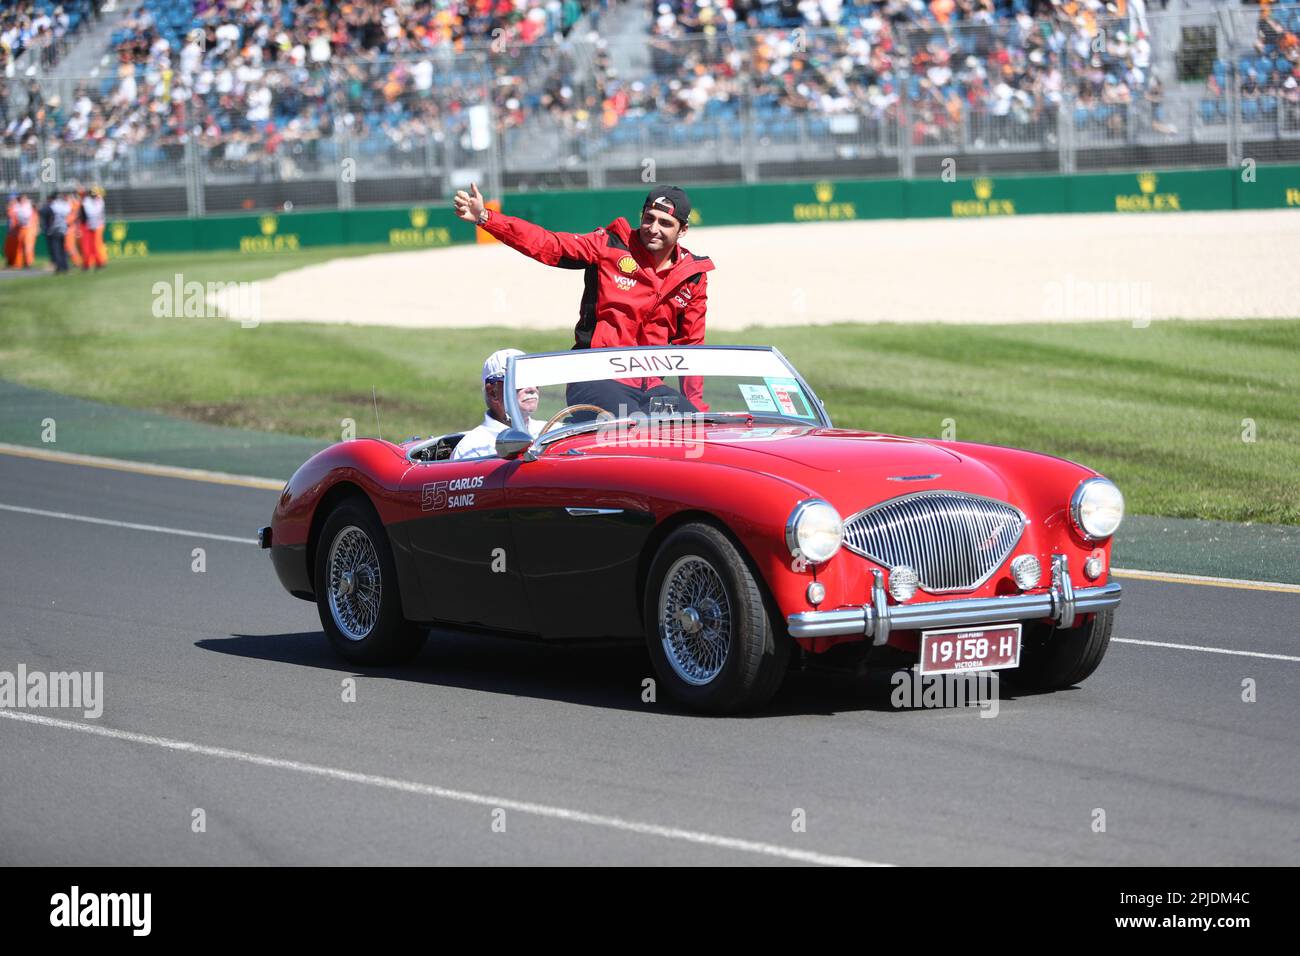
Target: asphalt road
<point x="221" y="694"/>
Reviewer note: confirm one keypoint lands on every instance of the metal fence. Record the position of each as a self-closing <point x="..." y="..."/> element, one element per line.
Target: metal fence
<point x="1186" y="88"/>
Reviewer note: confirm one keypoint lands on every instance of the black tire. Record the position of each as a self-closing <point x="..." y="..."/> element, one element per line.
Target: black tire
<point x="384" y="637"/>
<point x="1052" y="658"/>
<point x="756" y="654"/>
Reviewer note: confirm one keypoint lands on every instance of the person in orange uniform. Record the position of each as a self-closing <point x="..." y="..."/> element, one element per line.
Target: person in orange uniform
<point x="33" y="230"/>
<point x="92" y="230"/>
<point x="23" y="226"/>
<point x="74" y="227"/>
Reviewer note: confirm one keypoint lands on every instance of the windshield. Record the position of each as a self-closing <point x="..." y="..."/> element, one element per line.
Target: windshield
<point x="692" y="382"/>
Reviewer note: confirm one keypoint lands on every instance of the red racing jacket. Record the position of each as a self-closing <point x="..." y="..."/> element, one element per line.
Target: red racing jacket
<point x="624" y="301"/>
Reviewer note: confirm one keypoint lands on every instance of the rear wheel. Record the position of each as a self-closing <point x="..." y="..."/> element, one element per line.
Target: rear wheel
<point x="1053" y="658"/>
<point x="708" y="631"/>
<point x="356" y="589"/>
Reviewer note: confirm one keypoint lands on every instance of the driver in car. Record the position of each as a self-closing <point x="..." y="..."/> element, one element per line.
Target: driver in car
<point x="481" y="442"/>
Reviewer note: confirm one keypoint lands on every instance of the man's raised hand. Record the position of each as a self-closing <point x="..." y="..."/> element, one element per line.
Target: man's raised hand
<point x="469" y="205"/>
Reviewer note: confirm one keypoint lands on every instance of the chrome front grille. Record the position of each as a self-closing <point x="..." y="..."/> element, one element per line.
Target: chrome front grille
<point x="954" y="541"/>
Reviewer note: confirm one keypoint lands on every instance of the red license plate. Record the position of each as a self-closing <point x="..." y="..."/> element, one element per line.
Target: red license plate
<point x="962" y="649"/>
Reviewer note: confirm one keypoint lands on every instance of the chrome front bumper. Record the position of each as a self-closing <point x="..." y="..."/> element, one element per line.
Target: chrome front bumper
<point x="1062" y="603"/>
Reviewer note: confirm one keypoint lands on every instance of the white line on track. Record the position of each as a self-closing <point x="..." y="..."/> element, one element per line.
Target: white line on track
<point x="127" y="524"/>
<point x="1207" y="650"/>
<point x="462" y="796"/>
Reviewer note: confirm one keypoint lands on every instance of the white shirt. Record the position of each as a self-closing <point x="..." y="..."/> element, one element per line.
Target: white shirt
<point x="93" y="206"/>
<point x="481" y="442"/>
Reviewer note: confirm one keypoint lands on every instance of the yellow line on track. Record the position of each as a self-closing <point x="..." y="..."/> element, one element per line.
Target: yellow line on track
<point x="1169" y="577"/>
<point x="140" y="467"/>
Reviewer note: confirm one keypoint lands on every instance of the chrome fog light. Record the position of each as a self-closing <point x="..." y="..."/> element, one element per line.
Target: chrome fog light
<point x="816" y="592"/>
<point x="1027" y="571"/>
<point x="903" y="583"/>
<point x="1094" y="566"/>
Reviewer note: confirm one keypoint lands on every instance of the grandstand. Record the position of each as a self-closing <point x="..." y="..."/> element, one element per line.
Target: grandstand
<point x="37" y="32"/>
<point x="222" y="105"/>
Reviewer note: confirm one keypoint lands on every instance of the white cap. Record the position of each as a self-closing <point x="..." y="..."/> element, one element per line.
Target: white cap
<point x="495" y="366"/>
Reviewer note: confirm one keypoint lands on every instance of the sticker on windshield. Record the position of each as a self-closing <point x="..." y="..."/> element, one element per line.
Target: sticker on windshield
<point x="789" y="397"/>
<point x="757" y="399"/>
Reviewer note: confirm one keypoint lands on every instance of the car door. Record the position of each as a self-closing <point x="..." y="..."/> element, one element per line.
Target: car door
<point x="461" y="544"/>
<point x="579" y="545"/>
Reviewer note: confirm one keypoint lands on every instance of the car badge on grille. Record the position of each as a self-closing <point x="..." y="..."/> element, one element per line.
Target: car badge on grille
<point x="912" y="477"/>
<point x="992" y="539"/>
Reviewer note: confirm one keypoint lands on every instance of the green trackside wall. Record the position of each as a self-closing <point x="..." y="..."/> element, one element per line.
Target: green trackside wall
<point x="430" y="226"/>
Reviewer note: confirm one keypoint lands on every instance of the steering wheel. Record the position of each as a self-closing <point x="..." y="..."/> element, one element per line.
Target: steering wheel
<point x="571" y="408"/>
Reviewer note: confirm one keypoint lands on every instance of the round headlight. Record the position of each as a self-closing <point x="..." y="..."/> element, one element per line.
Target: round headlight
<point x="814" y="531"/>
<point x="1097" y="508"/>
<point x="1027" y="571"/>
<point x="903" y="583"/>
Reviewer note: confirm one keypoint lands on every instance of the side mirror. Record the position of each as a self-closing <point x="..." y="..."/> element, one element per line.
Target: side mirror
<point x="512" y="443"/>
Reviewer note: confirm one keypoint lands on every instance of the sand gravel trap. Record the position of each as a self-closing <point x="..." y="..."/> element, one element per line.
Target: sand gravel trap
<point x="1026" y="269"/>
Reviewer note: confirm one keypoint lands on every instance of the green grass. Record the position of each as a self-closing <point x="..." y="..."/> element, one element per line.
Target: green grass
<point x="1158" y="409"/>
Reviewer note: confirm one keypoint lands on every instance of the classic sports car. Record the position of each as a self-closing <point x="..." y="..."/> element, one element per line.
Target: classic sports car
<point x="733" y="541"/>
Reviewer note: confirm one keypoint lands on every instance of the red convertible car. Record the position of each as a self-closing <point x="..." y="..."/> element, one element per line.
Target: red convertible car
<point x="735" y="538"/>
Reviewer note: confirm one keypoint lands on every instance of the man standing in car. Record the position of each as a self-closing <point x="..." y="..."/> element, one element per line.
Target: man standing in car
<point x="642" y="287"/>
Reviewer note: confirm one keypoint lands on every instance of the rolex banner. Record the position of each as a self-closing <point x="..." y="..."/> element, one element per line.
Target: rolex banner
<point x="957" y="194"/>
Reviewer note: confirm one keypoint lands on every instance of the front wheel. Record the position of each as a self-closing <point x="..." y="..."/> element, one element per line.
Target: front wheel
<point x="356" y="590"/>
<point x="1053" y="658"/>
<point x="708" y="631"/>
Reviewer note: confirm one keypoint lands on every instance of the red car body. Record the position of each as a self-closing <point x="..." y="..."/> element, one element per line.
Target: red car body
<point x="572" y="533"/>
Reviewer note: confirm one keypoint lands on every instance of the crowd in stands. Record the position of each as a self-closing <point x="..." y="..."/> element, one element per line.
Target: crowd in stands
<point x="1005" y="62"/>
<point x="42" y="26"/>
<point x="255" y="81"/>
<point x="1269" y="75"/>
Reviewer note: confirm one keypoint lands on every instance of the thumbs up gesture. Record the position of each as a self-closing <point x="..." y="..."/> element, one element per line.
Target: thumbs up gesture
<point x="469" y="205"/>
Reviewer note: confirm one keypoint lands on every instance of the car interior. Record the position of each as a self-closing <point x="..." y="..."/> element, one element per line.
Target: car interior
<point x="438" y="448"/>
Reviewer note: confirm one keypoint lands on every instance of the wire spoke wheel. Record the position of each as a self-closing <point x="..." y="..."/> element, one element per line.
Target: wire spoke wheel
<point x="355" y="583"/>
<point x="695" y="622"/>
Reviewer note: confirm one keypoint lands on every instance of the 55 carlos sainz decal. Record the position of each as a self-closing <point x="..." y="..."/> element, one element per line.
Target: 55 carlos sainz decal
<point x="449" y="494"/>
